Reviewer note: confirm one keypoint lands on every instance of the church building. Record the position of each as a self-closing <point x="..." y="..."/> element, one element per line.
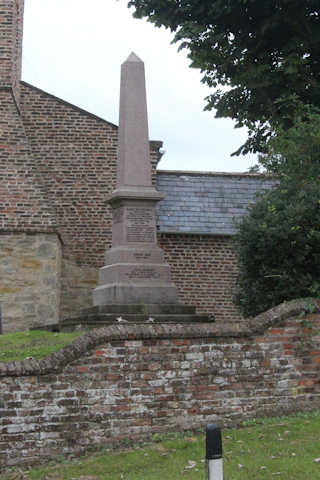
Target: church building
<point x="57" y="169"/>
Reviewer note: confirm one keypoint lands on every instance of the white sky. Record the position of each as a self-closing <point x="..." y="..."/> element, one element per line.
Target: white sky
<point x="74" y="49"/>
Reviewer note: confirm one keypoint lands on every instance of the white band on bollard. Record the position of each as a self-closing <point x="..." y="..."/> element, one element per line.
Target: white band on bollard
<point x="215" y="469"/>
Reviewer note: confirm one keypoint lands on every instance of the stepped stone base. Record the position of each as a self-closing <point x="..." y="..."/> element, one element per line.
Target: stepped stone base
<point x="119" y="293"/>
<point x="99" y="316"/>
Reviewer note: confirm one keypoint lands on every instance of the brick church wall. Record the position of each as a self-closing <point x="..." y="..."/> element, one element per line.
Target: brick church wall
<point x="23" y="202"/>
<point x="58" y="167"/>
<point x="70" y="161"/>
<point x="11" y="45"/>
<point x="29" y="278"/>
<point x="204" y="269"/>
<point x="76" y="154"/>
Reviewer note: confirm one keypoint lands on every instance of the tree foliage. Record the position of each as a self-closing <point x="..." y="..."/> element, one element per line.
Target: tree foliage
<point x="266" y="52"/>
<point x="279" y="248"/>
<point x="295" y="153"/>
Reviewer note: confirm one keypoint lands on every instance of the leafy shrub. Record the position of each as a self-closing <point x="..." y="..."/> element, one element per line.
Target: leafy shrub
<point x="279" y="248"/>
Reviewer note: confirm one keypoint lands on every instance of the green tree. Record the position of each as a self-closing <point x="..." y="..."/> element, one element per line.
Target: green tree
<point x="294" y="154"/>
<point x="264" y="52"/>
<point x="279" y="248"/>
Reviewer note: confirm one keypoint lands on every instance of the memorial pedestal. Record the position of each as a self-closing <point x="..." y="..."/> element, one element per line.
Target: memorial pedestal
<point x="135" y="271"/>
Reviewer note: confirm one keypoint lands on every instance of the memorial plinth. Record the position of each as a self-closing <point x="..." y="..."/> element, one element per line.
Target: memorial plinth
<point x="135" y="271"/>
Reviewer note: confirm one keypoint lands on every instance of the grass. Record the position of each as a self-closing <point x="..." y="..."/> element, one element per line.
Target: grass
<point x="284" y="448"/>
<point x="35" y="343"/>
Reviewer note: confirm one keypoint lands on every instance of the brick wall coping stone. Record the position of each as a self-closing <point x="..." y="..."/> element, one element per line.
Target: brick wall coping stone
<point x="58" y="360"/>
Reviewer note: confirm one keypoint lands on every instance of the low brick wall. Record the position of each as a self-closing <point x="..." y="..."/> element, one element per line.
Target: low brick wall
<point x="134" y="380"/>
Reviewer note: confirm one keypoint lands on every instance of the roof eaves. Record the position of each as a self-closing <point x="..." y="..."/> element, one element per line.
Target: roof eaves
<point x="200" y="233"/>
<point x="222" y="174"/>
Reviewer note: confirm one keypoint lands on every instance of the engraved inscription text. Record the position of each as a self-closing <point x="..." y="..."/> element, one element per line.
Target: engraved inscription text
<point x="140" y="225"/>
<point x="141" y="272"/>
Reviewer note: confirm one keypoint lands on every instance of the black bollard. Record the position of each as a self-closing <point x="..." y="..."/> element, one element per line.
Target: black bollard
<point x="214" y="452"/>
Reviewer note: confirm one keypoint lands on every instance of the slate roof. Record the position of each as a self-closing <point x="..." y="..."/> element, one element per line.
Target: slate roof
<point x="206" y="203"/>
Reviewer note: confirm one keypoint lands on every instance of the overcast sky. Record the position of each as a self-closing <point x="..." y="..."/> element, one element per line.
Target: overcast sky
<point x="74" y="49"/>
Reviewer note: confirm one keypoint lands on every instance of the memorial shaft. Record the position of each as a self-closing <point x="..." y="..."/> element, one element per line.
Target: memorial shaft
<point x="133" y="168"/>
<point x="135" y="271"/>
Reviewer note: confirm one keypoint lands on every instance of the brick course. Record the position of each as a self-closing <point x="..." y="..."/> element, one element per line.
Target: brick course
<point x="204" y="269"/>
<point x="11" y="14"/>
<point x="134" y="380"/>
<point x="75" y="153"/>
<point x="23" y="203"/>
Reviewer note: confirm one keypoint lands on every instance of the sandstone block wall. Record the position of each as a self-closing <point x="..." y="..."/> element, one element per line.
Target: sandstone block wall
<point x="77" y="284"/>
<point x="132" y="381"/>
<point x="30" y="269"/>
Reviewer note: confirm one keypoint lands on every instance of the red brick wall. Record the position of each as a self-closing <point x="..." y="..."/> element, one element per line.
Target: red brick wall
<point x="132" y="381"/>
<point x="23" y="203"/>
<point x="75" y="153"/>
<point x="204" y="269"/>
<point x="11" y="24"/>
<point x="18" y="6"/>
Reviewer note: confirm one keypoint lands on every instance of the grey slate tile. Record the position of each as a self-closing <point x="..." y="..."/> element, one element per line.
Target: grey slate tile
<point x="203" y="203"/>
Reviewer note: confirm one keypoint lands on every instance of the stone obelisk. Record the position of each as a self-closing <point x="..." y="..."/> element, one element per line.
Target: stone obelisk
<point x="135" y="271"/>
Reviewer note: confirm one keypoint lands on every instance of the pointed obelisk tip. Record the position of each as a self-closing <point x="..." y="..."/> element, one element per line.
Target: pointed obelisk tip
<point x="133" y="58"/>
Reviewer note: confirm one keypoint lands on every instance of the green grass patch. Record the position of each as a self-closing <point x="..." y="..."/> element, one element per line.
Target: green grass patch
<point x="284" y="448"/>
<point x="34" y="343"/>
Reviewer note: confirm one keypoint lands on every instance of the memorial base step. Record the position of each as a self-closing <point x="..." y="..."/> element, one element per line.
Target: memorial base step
<point x="100" y="316"/>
